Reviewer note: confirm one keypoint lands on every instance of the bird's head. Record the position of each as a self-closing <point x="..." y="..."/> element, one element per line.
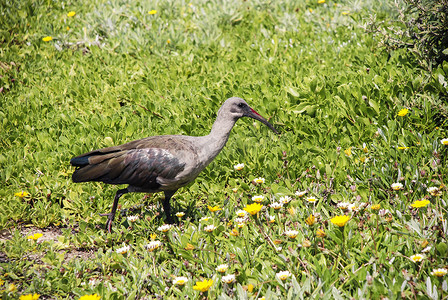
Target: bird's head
<point x="239" y="108"/>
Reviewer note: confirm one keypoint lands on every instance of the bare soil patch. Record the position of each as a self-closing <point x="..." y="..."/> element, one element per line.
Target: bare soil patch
<point x="50" y="234"/>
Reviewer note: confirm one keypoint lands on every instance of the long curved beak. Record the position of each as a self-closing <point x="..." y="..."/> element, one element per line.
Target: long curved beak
<point x="251" y="113"/>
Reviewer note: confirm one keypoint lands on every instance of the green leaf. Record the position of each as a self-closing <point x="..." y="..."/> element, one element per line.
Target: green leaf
<point x="292" y="91"/>
<point x="304" y="107"/>
<point x="442" y="248"/>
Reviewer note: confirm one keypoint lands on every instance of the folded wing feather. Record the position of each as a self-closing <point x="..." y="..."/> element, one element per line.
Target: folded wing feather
<point x="136" y="167"/>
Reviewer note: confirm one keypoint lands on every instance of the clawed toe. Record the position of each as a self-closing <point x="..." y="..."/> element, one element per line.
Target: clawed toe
<point x="110" y="218"/>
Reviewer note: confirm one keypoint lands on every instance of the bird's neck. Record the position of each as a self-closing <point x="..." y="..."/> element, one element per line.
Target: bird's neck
<point x="222" y="127"/>
<point x="217" y="139"/>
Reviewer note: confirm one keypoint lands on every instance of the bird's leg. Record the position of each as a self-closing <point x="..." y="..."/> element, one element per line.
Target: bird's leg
<point x="111" y="215"/>
<point x="167" y="206"/>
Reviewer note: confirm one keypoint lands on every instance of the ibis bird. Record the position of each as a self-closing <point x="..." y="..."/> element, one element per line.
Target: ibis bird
<point x="161" y="163"/>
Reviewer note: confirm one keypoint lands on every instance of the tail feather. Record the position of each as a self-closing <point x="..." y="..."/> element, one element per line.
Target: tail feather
<point x="89" y="173"/>
<point x="93" y="166"/>
<point x="79" y="161"/>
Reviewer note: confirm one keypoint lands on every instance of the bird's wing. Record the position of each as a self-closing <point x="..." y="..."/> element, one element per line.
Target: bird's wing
<point x="137" y="167"/>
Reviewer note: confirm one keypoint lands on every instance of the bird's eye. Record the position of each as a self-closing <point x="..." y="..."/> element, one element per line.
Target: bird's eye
<point x="241" y="105"/>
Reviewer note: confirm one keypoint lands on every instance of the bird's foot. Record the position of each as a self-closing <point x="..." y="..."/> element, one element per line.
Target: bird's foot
<point x="110" y="219"/>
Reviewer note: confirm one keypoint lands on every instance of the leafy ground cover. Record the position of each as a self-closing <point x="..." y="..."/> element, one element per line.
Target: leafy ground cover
<point x="352" y="196"/>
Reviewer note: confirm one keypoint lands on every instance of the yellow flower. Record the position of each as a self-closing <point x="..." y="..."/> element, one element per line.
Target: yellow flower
<point x="71" y="14"/>
<point x="180" y="214"/>
<point x="213" y="208"/>
<point x="203" y="286"/>
<point x="250" y="287"/>
<point x="417" y="257"/>
<point x="321" y="1"/>
<point x="402" y="148"/>
<point x="340" y="220"/>
<point x="152" y="12"/>
<point x="90" y="297"/>
<point x="67" y="28"/>
<point x="344" y="13"/>
<point x="292" y="211"/>
<point x="168" y="41"/>
<point x="12" y="288"/>
<point x="234" y="232"/>
<point x="375" y="207"/>
<point x="29" y="297"/>
<point x="235" y="190"/>
<point x="444" y="142"/>
<point x="21" y="194"/>
<point x="253" y="208"/>
<point x="439" y="272"/>
<point x="403" y="112"/>
<point x="420" y="203"/>
<point x="320" y="233"/>
<point x="47" y="39"/>
<point x="35" y="236"/>
<point x="311" y="220"/>
<point x="348" y="151"/>
<point x="189" y="247"/>
<point x="153" y="236"/>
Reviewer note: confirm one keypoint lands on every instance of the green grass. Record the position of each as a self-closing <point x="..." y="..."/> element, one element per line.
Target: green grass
<point x="120" y="74"/>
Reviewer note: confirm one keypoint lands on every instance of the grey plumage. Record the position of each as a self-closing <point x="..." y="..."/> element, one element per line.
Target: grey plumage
<point x="161" y="163"/>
